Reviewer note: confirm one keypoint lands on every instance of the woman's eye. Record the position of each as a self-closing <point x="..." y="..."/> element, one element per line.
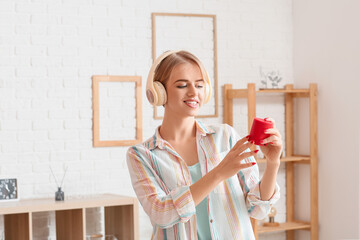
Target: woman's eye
<point x="199" y="86"/>
<point x="181" y="86"/>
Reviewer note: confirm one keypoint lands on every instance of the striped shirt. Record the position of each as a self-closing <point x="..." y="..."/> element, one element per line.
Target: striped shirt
<point x="161" y="180"/>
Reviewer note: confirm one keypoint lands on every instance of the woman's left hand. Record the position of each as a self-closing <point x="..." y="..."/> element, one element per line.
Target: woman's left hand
<point x="273" y="145"/>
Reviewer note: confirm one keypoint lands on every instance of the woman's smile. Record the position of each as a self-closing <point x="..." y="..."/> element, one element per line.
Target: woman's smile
<point x="192" y="103"/>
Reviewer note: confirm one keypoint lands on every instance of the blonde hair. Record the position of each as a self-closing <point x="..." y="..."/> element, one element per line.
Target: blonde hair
<point x="163" y="70"/>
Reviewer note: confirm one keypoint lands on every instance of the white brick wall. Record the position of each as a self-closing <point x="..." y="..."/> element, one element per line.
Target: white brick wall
<point x="50" y="49"/>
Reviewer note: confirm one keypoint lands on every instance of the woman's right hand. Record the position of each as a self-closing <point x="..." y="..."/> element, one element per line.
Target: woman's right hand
<point x="231" y="164"/>
<point x="228" y="167"/>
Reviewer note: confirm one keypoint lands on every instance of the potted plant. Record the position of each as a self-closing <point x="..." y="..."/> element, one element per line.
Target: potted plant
<point x="270" y="79"/>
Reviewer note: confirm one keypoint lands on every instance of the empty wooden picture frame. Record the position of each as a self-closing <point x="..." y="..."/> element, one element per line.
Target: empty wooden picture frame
<point x="115" y="97"/>
<point x="195" y="33"/>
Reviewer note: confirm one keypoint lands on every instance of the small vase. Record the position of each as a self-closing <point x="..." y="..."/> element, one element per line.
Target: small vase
<point x="59" y="195"/>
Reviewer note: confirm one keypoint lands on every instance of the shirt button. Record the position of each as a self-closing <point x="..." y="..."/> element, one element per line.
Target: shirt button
<point x="211" y="221"/>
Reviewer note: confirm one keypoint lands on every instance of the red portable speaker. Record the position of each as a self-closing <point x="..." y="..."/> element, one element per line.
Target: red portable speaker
<point x="258" y="128"/>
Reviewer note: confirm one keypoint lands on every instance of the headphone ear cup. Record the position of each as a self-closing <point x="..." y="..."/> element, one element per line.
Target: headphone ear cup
<point x="207" y="92"/>
<point x="160" y="92"/>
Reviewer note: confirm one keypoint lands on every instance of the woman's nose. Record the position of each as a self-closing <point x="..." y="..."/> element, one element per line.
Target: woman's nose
<point x="191" y="90"/>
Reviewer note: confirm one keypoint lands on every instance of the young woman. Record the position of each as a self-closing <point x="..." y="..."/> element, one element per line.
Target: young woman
<point x="198" y="181"/>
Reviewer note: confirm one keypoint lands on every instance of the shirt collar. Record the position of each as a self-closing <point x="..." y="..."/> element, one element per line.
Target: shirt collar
<point x="156" y="140"/>
<point x="203" y="129"/>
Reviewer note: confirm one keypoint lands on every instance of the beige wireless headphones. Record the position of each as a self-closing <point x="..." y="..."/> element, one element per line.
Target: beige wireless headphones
<point x="155" y="90"/>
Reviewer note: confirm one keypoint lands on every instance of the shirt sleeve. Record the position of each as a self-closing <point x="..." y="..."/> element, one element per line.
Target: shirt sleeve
<point x="250" y="184"/>
<point x="164" y="207"/>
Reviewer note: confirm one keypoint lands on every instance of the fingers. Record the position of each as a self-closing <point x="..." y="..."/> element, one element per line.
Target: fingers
<point x="246" y="165"/>
<point x="241" y="142"/>
<point x="244" y="156"/>
<point x="270" y="140"/>
<point x="238" y="151"/>
<point x="273" y="140"/>
<point x="247" y="155"/>
<point x="241" y="146"/>
<point x="270" y="120"/>
<point x="273" y="131"/>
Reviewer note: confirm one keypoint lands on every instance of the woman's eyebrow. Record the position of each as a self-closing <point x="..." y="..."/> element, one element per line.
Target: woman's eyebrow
<point x="185" y="80"/>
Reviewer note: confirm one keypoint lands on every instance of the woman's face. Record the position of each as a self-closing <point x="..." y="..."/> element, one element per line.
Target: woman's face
<point x="185" y="90"/>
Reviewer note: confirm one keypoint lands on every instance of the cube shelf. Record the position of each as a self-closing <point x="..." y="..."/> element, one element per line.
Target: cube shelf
<point x="120" y="214"/>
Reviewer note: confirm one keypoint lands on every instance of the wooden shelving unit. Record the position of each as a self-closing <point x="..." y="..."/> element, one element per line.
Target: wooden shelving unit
<point x="121" y="216"/>
<point x="290" y="159"/>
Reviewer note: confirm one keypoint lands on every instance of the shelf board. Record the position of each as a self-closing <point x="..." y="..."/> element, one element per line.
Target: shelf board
<point x="285" y="227"/>
<point x="299" y="159"/>
<point x="283" y="91"/>
<point x="243" y="93"/>
<point x="76" y="202"/>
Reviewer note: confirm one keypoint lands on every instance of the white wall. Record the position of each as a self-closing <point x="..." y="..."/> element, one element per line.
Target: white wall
<point x="327" y="52"/>
<point x="49" y="49"/>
